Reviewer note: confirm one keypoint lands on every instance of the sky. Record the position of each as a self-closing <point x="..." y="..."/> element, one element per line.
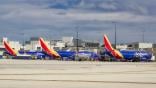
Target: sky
<point x="53" y="19"/>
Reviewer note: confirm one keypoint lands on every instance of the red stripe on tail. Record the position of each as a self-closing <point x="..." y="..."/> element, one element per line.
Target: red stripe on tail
<point x="109" y="48"/>
<point x="9" y="49"/>
<point x="47" y="49"/>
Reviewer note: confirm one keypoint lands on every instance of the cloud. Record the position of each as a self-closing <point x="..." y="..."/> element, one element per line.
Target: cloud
<point x="92" y="17"/>
<point x="35" y="15"/>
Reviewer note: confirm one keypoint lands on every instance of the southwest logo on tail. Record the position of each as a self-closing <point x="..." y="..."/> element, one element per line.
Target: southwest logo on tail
<point x="47" y="49"/>
<point x="115" y="53"/>
<point x="9" y="49"/>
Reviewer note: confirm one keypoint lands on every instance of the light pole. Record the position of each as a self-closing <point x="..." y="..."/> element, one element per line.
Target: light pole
<point x="77" y="40"/>
<point x="115" y="35"/>
<point x="143" y="36"/>
<point x="77" y="44"/>
<point x="23" y="40"/>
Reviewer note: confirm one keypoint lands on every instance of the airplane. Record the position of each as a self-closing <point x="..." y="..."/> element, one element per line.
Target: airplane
<point x="47" y="52"/>
<point x="11" y="52"/>
<point x="128" y="55"/>
<point x="66" y="54"/>
<point x="9" y="49"/>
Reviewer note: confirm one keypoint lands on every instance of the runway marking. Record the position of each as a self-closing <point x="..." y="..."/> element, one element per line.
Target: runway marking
<point x="131" y="72"/>
<point x="121" y="82"/>
<point x="89" y="73"/>
<point x="68" y="74"/>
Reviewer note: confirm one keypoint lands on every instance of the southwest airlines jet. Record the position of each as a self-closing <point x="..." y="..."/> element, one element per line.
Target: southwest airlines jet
<point x="8" y="48"/>
<point x="15" y="55"/>
<point x="65" y="54"/>
<point x="130" y="55"/>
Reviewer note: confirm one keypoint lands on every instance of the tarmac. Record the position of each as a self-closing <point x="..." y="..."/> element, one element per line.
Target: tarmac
<point x="70" y="74"/>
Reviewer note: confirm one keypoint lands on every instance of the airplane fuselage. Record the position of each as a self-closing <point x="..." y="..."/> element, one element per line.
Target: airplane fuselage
<point x="134" y="54"/>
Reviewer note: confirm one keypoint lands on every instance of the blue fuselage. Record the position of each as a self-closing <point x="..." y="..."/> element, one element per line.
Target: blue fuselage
<point x="64" y="54"/>
<point x="132" y="54"/>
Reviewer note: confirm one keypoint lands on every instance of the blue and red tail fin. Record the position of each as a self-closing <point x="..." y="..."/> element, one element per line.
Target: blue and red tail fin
<point x="107" y="43"/>
<point x="49" y="51"/>
<point x="115" y="53"/>
<point x="8" y="48"/>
